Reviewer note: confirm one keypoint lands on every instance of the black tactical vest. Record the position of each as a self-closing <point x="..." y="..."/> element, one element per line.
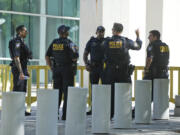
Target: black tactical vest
<point x="161" y="54"/>
<point x="117" y="52"/>
<point x="96" y="51"/>
<point x="61" y="51"/>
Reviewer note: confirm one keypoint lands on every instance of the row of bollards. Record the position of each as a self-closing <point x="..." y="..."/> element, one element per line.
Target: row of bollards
<point x="13" y="111"/>
<point x="143" y="99"/>
<point x="13" y="108"/>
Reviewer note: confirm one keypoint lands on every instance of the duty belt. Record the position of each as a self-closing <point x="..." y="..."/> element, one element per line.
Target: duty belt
<point x="160" y="67"/>
<point x="96" y="63"/>
<point x="117" y="66"/>
<point x="61" y="64"/>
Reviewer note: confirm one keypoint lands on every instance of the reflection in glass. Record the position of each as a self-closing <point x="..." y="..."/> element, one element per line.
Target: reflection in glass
<point x="31" y="6"/>
<point x="63" y="7"/>
<point x="7" y="32"/>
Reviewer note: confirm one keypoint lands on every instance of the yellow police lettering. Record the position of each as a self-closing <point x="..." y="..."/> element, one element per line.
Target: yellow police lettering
<point x="57" y="47"/>
<point x="164" y="49"/>
<point x="117" y="44"/>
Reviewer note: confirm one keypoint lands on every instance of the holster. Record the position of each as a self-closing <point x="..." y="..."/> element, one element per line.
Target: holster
<point x="74" y="67"/>
<point x="131" y="69"/>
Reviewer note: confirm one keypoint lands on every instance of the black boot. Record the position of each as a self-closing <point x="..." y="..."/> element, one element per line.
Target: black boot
<point x="27" y="113"/>
<point x="89" y="113"/>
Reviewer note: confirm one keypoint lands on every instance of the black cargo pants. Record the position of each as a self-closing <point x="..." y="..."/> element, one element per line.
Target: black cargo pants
<point x="63" y="78"/>
<point x="114" y="74"/>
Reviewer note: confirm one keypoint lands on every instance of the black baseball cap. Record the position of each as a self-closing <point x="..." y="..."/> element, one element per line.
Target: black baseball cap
<point x="63" y="29"/>
<point x="100" y="29"/>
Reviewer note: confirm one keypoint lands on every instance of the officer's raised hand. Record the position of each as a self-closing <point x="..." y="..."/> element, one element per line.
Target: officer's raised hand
<point x="137" y="33"/>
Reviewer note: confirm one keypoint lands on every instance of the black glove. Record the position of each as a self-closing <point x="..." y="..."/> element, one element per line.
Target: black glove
<point x="131" y="69"/>
<point x="88" y="66"/>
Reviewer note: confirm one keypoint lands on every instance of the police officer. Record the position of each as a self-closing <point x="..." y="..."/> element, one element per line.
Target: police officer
<point x="157" y="58"/>
<point x="65" y="54"/>
<point x="20" y="54"/>
<point x="95" y="49"/>
<point x="117" y="59"/>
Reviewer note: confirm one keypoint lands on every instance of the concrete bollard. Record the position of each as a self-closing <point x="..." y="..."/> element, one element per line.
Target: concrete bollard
<point x="177" y="106"/>
<point x="160" y="99"/>
<point x="47" y="112"/>
<point x="123" y="105"/>
<point x="76" y="111"/>
<point x="143" y="89"/>
<point x="13" y="110"/>
<point x="177" y="111"/>
<point x="177" y="101"/>
<point x="101" y="98"/>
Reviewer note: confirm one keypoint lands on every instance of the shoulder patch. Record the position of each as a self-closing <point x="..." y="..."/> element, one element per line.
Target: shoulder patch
<point x="17" y="45"/>
<point x="149" y="48"/>
<point x="92" y="38"/>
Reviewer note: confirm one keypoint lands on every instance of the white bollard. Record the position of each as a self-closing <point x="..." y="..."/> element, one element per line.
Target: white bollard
<point x="143" y="89"/>
<point x="177" y="101"/>
<point x="47" y="112"/>
<point x="160" y="99"/>
<point x="177" y="111"/>
<point x="76" y="111"/>
<point x="13" y="110"/>
<point x="101" y="99"/>
<point x="123" y="105"/>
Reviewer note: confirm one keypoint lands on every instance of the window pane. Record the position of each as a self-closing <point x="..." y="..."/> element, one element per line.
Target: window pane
<point x="63" y="7"/>
<point x="5" y="4"/>
<point x="71" y="8"/>
<point x="31" y="6"/>
<point x="7" y="32"/>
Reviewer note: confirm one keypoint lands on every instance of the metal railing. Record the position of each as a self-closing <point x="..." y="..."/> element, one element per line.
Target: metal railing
<point x="7" y="77"/>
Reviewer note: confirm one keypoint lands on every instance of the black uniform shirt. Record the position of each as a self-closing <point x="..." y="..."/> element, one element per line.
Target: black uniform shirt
<point x="117" y="49"/>
<point x="159" y="52"/>
<point x="18" y="48"/>
<point x="63" y="51"/>
<point x="149" y="51"/>
<point x="95" y="47"/>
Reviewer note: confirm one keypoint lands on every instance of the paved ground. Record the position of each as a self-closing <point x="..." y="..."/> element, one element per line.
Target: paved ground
<point x="158" y="127"/>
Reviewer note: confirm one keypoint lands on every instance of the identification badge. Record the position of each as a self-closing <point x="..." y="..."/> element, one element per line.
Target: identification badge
<point x="17" y="45"/>
<point x="149" y="48"/>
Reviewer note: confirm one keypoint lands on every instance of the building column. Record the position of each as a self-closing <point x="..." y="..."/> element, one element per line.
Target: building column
<point x="43" y="33"/>
<point x="42" y="41"/>
<point x="101" y="12"/>
<point x="116" y="11"/>
<point x="154" y="16"/>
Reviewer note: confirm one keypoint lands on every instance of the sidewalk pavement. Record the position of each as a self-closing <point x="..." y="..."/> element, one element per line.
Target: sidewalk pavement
<point x="156" y="127"/>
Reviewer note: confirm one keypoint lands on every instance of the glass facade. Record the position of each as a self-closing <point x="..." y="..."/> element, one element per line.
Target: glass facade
<point x="67" y="8"/>
<point x="28" y="12"/>
<point x="31" y="6"/>
<point x="8" y="32"/>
